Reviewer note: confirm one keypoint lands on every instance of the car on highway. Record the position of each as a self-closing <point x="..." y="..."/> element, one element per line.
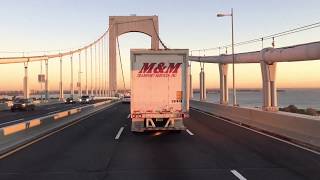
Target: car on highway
<point x="70" y="100"/>
<point x="23" y="104"/>
<point x="126" y="99"/>
<point x="86" y="99"/>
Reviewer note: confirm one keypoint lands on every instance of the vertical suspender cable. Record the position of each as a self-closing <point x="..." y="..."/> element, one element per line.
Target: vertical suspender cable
<point x="41" y="81"/>
<point x="95" y="70"/>
<point x="79" y="77"/>
<point x="86" y="59"/>
<point x="124" y="83"/>
<point x="102" y="72"/>
<point x="91" y="81"/>
<point x="106" y="70"/>
<point x="99" y="66"/>
<point x="71" y="84"/>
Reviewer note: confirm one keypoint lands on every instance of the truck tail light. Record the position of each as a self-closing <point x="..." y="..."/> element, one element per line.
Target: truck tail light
<point x="136" y="115"/>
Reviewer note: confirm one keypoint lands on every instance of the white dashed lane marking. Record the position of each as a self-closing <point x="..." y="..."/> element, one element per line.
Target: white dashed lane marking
<point x="189" y="132"/>
<point x="238" y="175"/>
<point x="119" y="133"/>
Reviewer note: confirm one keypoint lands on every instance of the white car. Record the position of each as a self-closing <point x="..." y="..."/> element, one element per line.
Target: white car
<point x="126" y="99"/>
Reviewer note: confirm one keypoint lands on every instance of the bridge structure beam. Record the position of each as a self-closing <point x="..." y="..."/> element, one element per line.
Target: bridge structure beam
<point x="124" y="24"/>
<point x="269" y="88"/>
<point x="203" y="91"/>
<point x="25" y="81"/>
<point x="46" y="85"/>
<point x="224" y="91"/>
<point x="190" y="82"/>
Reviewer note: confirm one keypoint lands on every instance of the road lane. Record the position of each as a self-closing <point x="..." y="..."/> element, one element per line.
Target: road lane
<point x="89" y="150"/>
<point x="8" y="117"/>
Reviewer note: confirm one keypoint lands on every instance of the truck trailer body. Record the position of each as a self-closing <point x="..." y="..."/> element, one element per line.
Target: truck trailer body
<point x="159" y="89"/>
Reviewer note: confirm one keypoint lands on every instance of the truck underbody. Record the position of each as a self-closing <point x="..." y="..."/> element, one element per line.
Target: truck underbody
<point x="148" y="124"/>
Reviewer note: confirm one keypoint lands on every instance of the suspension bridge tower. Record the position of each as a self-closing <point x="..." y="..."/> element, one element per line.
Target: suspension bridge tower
<point x="124" y="24"/>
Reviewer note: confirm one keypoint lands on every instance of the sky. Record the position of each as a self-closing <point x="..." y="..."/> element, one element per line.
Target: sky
<point x="36" y="26"/>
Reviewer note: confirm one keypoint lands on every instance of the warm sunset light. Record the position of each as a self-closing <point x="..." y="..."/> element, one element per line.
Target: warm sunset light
<point x="159" y="90"/>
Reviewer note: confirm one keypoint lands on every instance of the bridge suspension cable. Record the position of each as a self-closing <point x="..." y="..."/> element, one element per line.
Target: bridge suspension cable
<point x="8" y="60"/>
<point x="272" y="36"/>
<point x="17" y="59"/>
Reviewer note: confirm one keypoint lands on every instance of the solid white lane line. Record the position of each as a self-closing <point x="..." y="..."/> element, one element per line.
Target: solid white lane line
<point x="189" y="132"/>
<point x="119" y="133"/>
<point x="54" y="112"/>
<point x="238" y="175"/>
<point x="51" y="107"/>
<point x="128" y="116"/>
<point x="259" y="132"/>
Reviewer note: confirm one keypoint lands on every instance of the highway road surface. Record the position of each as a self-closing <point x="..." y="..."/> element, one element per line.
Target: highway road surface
<point x="7" y="117"/>
<point x="102" y="147"/>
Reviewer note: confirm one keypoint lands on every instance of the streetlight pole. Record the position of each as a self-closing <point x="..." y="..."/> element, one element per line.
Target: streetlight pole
<point x="233" y="56"/>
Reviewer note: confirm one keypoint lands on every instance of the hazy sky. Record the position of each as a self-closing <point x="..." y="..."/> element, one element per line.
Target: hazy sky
<point x="35" y="25"/>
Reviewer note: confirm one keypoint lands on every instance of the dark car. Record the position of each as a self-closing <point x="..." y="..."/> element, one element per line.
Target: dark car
<point x="23" y="104"/>
<point x="86" y="100"/>
<point x="69" y="100"/>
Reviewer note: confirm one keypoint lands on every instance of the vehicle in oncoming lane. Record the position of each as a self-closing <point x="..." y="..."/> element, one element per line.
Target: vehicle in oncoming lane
<point x="23" y="104"/>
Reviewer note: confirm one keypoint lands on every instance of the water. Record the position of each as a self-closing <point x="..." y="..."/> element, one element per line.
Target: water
<point x="302" y="98"/>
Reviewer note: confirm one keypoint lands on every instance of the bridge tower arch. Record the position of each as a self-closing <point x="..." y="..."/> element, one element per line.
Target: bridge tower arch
<point x="124" y="24"/>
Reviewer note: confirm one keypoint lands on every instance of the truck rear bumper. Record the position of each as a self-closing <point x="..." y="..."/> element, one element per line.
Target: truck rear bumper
<point x="139" y="125"/>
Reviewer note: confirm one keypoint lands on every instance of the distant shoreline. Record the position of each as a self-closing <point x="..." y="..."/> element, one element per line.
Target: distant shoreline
<point x="254" y="90"/>
<point x="210" y="90"/>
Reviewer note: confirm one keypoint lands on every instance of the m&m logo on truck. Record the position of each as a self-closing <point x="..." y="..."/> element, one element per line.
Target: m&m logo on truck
<point x="159" y="69"/>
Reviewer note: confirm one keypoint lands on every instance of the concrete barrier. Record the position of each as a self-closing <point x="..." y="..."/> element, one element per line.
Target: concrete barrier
<point x="21" y="133"/>
<point x="13" y="128"/>
<point x="73" y="111"/>
<point x="302" y="129"/>
<point x="33" y="123"/>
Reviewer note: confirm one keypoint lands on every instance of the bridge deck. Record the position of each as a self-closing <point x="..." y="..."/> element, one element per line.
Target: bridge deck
<point x="89" y="150"/>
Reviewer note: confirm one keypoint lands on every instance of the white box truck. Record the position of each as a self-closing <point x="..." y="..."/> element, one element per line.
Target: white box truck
<point x="159" y="89"/>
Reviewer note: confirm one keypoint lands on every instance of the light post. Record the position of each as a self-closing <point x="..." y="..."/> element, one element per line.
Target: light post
<point x="233" y="58"/>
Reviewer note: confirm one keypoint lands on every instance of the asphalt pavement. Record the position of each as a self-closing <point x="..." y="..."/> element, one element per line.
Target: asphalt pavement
<point x="7" y="117"/>
<point x="103" y="147"/>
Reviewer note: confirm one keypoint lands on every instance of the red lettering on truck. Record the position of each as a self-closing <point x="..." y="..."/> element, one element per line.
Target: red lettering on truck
<point x="173" y="67"/>
<point x="147" y="68"/>
<point x="160" y="68"/>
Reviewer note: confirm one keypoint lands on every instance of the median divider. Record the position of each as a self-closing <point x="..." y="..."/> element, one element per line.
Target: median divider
<point x="61" y="115"/>
<point x="33" y="123"/>
<point x="73" y="111"/>
<point x="14" y="128"/>
<point x="297" y="128"/>
<point x="18" y="134"/>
